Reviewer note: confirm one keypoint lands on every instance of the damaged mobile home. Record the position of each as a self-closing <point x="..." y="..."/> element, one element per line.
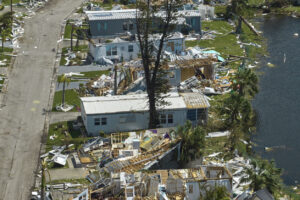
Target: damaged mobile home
<point x="131" y="112"/>
<point x="127" y="48"/>
<point x="117" y="22"/>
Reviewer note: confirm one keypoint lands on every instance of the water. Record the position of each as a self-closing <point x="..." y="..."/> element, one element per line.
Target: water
<point x="278" y="102"/>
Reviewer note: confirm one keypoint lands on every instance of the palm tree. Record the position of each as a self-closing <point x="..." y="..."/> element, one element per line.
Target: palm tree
<point x="238" y="117"/>
<point x="5" y="28"/>
<point x="64" y="79"/>
<point x="263" y="174"/>
<point x="216" y="193"/>
<point x="5" y="33"/>
<point x="43" y="185"/>
<point x="245" y="82"/>
<point x="235" y="110"/>
<point x="192" y="142"/>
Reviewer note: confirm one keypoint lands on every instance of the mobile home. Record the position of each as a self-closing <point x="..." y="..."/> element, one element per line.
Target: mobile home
<point x="124" y="113"/>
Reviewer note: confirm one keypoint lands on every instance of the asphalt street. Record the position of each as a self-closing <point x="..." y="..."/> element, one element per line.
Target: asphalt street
<point x="22" y="118"/>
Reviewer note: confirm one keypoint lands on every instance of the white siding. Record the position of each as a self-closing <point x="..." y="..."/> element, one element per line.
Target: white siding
<point x="123" y="122"/>
<point x="195" y="193"/>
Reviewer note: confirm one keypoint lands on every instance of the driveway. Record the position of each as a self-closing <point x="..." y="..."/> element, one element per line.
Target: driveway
<point x="63" y="174"/>
<point x="21" y="119"/>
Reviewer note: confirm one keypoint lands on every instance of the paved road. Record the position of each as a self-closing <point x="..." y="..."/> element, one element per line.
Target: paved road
<point x="22" y="119"/>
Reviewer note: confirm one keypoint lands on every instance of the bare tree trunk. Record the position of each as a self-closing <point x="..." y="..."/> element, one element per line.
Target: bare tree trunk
<point x="43" y="182"/>
<point x="63" y="94"/>
<point x="153" y="121"/>
<point x="77" y="42"/>
<point x="239" y="26"/>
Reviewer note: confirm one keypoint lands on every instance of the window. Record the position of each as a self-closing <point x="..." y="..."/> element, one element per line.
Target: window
<point x="191" y="115"/>
<point x="97" y="121"/>
<point x="191" y="189"/>
<point x="130" y="48"/>
<point x="103" y="121"/>
<point x="163" y="119"/>
<point x="114" y="51"/>
<point x="108" y="51"/>
<point x="122" y="48"/>
<point x="170" y="118"/>
<point x="111" y="51"/>
<point x="105" y="26"/>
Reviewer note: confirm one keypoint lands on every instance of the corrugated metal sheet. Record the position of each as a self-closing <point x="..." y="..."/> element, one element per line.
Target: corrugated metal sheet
<point x="195" y="100"/>
<point x="131" y="14"/>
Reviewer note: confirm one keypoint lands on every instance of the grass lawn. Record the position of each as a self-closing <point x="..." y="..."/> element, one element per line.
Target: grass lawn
<point x="7" y="2"/>
<point x="106" y="6"/>
<point x="226" y="43"/>
<point x="68" y="29"/>
<point x="64" y="134"/>
<point x="71" y="98"/>
<point x="1" y="83"/>
<point x="93" y="74"/>
<point x="64" y="51"/>
<point x="82" y="181"/>
<point x="220" y="10"/>
<point x="287" y="10"/>
<point x="214" y="145"/>
<point x="249" y="37"/>
<point x="6" y="49"/>
<point x="63" y="56"/>
<point x="83" y="48"/>
<point x="7" y="58"/>
<point x="219" y="26"/>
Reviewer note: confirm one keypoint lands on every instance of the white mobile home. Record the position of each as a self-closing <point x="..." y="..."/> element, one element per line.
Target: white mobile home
<point x="123" y="113"/>
<point x="126" y="49"/>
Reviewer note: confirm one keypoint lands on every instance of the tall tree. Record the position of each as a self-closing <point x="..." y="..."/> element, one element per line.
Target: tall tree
<point x="245" y="82"/>
<point x="5" y="33"/>
<point x="237" y="9"/>
<point x="235" y="110"/>
<point x="64" y="79"/>
<point x="263" y="174"/>
<point x="216" y="193"/>
<point x="5" y="27"/>
<point x="153" y="17"/>
<point x="192" y="142"/>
